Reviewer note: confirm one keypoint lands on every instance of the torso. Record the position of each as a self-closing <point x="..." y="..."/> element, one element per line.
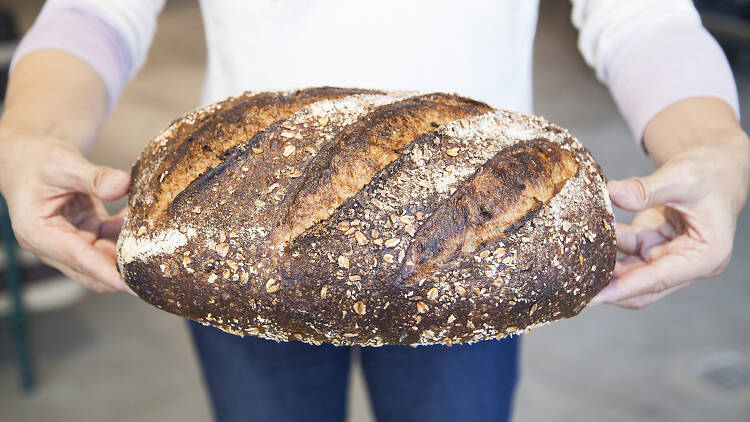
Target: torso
<point x="483" y="51"/>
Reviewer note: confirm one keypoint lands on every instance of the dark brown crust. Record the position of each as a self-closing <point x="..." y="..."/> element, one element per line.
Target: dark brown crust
<point x="195" y="149"/>
<point x="361" y="150"/>
<point x="512" y="185"/>
<point x="211" y="257"/>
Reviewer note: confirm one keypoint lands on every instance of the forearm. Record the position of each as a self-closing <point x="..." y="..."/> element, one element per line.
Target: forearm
<point x="53" y="94"/>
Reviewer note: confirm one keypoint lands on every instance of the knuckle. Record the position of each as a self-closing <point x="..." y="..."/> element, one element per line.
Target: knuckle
<point x="73" y="259"/>
<point x="101" y="288"/>
<point x="688" y="173"/>
<point x="23" y="238"/>
<point x="638" y="303"/>
<point x="725" y="253"/>
<point x="720" y="269"/>
<point x="631" y="305"/>
<point x="76" y="265"/>
<point x="48" y="262"/>
<point x="23" y="243"/>
<point x="96" y="178"/>
<point x="719" y="261"/>
<point x="717" y="272"/>
<point x="723" y="267"/>
<point x="19" y="230"/>
<point x="94" y="287"/>
<point x="643" y="190"/>
<point x="660" y="285"/>
<point x="637" y="306"/>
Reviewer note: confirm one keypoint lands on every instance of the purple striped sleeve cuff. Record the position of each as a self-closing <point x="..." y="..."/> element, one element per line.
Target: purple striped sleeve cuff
<point x="85" y="35"/>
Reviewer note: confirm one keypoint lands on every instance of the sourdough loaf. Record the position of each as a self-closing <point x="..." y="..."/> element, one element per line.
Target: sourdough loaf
<point x="352" y="216"/>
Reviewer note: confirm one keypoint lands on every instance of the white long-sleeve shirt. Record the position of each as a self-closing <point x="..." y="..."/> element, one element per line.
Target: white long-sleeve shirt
<point x="651" y="53"/>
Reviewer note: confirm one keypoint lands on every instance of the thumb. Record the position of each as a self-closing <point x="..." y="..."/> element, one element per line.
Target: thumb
<point x="663" y="187"/>
<point x="103" y="182"/>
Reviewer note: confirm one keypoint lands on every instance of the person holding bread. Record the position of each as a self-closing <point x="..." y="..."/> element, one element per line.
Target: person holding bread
<point x="682" y="108"/>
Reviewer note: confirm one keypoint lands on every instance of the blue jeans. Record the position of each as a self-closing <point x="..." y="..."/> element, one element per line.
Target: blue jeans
<point x="250" y="379"/>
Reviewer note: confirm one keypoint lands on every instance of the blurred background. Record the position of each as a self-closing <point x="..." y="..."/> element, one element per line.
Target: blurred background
<point x="114" y="358"/>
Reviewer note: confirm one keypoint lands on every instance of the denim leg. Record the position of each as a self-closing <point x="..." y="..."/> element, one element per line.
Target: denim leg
<point x="439" y="383"/>
<point x="251" y="379"/>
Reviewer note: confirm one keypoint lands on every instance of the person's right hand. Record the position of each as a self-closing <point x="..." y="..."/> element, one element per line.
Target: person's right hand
<point x="55" y="199"/>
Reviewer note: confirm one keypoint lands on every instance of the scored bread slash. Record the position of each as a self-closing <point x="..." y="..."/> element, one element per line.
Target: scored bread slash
<point x="364" y="217"/>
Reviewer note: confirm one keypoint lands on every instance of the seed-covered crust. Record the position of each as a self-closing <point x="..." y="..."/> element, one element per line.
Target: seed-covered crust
<point x="364" y="217"/>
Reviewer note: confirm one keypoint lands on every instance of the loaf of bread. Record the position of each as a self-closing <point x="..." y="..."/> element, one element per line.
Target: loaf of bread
<point x="362" y="217"/>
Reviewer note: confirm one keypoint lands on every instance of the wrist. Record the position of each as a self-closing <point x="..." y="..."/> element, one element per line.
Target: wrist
<point x="693" y="123"/>
<point x="53" y="94"/>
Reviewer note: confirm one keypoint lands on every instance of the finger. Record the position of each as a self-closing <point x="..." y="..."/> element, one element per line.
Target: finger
<point x="87" y="282"/>
<point x="648" y="239"/>
<point x="655" y="277"/>
<point x="641" y="302"/>
<point x="626" y="264"/>
<point x="627" y="239"/>
<point x="709" y="258"/>
<point x="633" y="241"/>
<point x="666" y="185"/>
<point x="111" y="227"/>
<point x="80" y="175"/>
<point x="70" y="248"/>
<point x="649" y="218"/>
<point x="108" y="246"/>
<point x="622" y="266"/>
<point x="84" y="212"/>
<point x="90" y="282"/>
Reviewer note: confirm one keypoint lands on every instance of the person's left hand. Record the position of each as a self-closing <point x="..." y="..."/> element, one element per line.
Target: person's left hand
<point x="685" y="226"/>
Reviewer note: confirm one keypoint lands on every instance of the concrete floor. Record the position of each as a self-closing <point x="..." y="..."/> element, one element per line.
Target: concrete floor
<point x="114" y="358"/>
